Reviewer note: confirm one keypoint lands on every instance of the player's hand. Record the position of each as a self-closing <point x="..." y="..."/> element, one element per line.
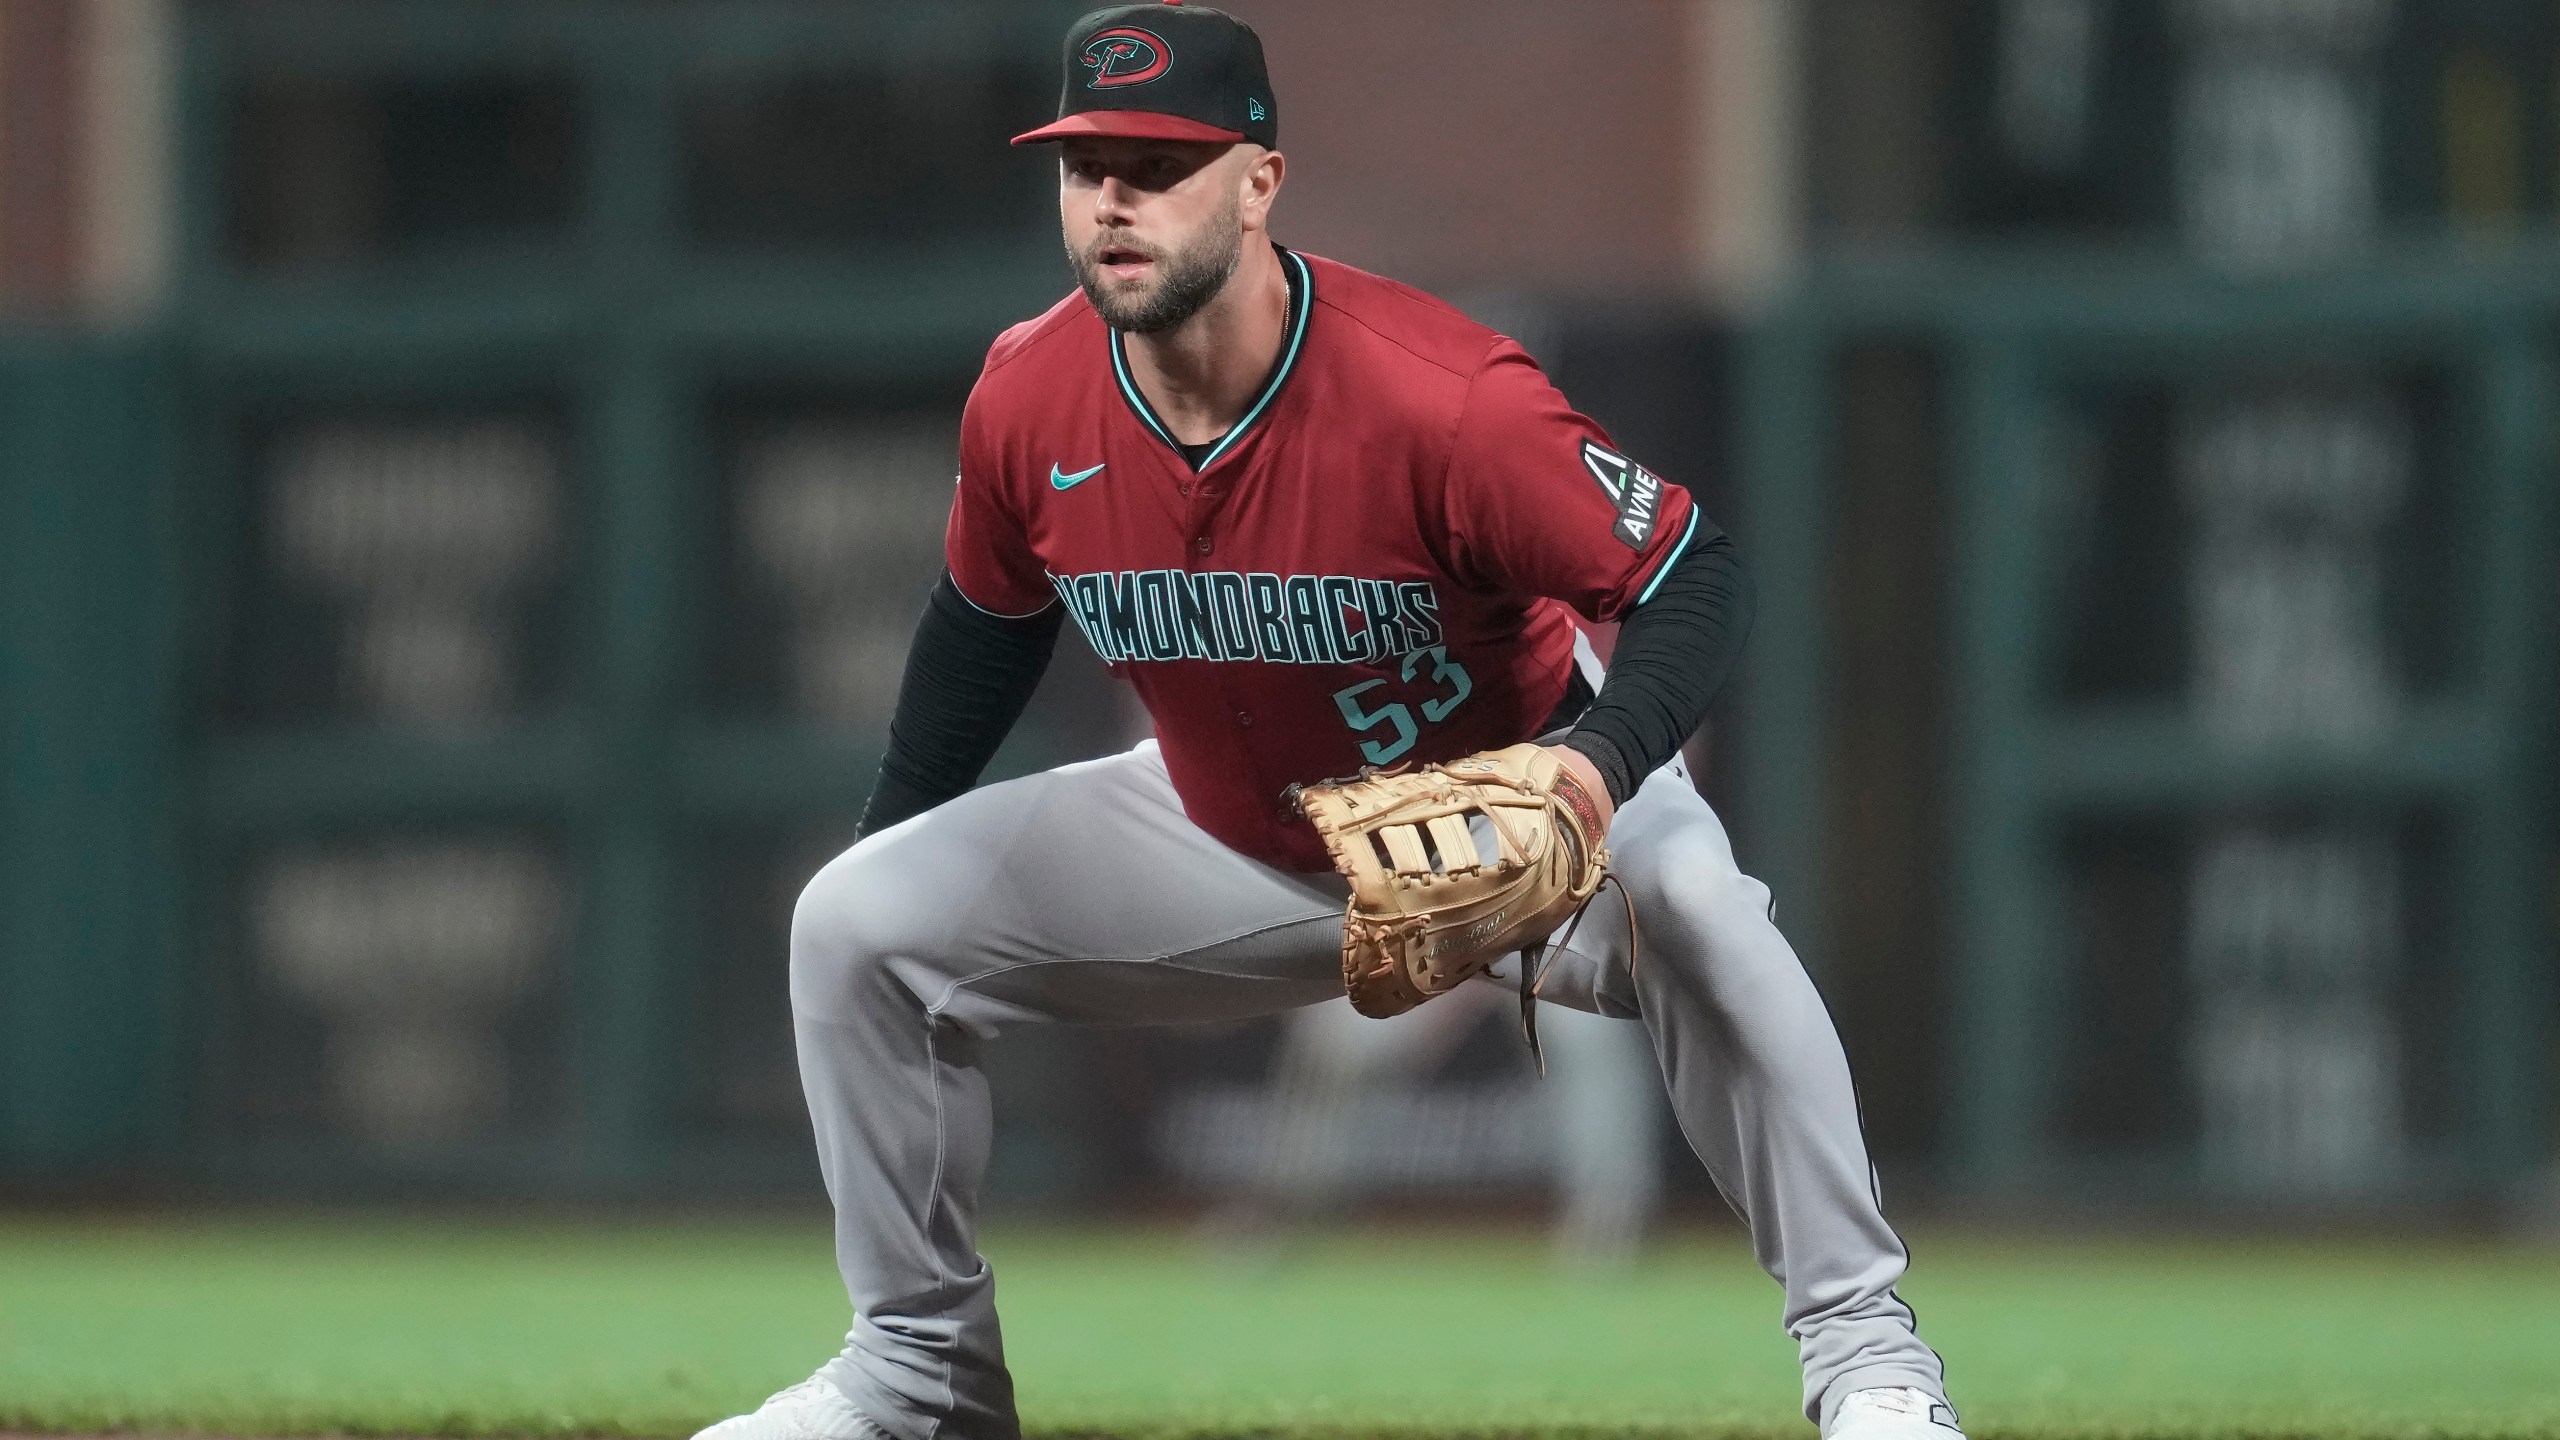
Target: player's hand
<point x="1589" y="774"/>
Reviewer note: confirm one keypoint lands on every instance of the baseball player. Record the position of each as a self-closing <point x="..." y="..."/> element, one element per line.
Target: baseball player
<point x="1320" y="522"/>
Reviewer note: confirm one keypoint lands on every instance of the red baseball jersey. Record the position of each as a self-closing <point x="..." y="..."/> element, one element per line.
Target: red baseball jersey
<point x="1379" y="564"/>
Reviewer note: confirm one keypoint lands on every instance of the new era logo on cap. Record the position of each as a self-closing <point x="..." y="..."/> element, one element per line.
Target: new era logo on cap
<point x="1163" y="72"/>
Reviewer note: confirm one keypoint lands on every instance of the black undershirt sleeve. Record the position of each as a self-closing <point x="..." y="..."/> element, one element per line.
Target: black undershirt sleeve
<point x="1673" y="654"/>
<point x="969" y="674"/>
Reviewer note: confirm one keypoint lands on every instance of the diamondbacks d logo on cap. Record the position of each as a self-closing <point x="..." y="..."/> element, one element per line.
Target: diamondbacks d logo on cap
<point x="1125" y="55"/>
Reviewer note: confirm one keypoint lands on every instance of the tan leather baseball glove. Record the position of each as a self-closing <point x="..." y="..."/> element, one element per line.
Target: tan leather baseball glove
<point x="1454" y="866"/>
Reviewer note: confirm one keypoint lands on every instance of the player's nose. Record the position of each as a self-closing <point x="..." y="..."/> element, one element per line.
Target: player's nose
<point x="1114" y="200"/>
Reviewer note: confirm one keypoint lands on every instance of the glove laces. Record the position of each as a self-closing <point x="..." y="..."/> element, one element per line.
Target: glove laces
<point x="1535" y="960"/>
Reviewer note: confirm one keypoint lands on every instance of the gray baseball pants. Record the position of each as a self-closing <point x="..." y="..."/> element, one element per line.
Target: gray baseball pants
<point x="1085" y="895"/>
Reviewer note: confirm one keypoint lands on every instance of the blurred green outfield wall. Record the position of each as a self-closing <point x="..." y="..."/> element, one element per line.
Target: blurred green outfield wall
<point x="435" y="657"/>
<point x="90" y="751"/>
<point x="2250" y="589"/>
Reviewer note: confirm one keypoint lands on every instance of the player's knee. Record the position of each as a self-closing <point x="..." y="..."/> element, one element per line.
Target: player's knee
<point x="853" y="918"/>
<point x="1708" y="922"/>
<point x="1689" y="872"/>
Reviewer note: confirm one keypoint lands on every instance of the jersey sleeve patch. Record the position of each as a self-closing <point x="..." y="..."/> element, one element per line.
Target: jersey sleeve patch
<point x="1634" y="490"/>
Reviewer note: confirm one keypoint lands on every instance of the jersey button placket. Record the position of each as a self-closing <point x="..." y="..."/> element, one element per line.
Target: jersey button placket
<point x="1204" y="545"/>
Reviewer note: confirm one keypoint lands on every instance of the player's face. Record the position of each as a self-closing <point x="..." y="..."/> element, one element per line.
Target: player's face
<point x="1154" y="227"/>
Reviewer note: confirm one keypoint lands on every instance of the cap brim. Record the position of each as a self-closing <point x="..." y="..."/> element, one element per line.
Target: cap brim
<point x="1128" y="125"/>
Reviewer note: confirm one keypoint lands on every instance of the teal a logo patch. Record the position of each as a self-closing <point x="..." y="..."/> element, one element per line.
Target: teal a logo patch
<point x="1636" y="491"/>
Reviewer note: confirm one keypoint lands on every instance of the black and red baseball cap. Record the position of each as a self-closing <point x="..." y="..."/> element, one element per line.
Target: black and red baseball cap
<point x="1166" y="71"/>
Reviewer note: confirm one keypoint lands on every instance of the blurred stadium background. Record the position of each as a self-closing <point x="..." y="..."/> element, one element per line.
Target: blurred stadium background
<point x="468" y="473"/>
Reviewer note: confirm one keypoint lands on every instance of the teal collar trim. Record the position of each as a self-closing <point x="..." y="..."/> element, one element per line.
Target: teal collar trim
<point x="1305" y="299"/>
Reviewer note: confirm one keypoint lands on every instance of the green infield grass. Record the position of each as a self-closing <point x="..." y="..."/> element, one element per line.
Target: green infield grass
<point x="353" y="1326"/>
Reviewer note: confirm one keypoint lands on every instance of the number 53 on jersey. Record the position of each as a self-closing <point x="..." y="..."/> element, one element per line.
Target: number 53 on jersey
<point x="1446" y="688"/>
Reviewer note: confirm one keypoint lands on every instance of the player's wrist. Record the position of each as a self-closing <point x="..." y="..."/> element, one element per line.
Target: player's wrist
<point x="1587" y="775"/>
<point x="1608" y="763"/>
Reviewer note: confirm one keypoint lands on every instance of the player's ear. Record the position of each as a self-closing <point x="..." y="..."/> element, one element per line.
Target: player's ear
<point x="1259" y="186"/>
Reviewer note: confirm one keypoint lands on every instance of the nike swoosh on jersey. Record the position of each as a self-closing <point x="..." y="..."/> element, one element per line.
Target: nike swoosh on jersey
<point x="1064" y="481"/>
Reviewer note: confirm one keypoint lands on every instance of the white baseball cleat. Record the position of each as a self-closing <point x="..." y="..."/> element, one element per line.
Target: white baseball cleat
<point x="1895" y="1413"/>
<point x="814" y="1409"/>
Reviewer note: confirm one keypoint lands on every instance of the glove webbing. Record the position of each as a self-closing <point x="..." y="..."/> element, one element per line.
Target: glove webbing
<point x="1535" y="959"/>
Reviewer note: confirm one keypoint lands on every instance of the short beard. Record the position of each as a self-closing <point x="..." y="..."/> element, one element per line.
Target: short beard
<point x="1188" y="279"/>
